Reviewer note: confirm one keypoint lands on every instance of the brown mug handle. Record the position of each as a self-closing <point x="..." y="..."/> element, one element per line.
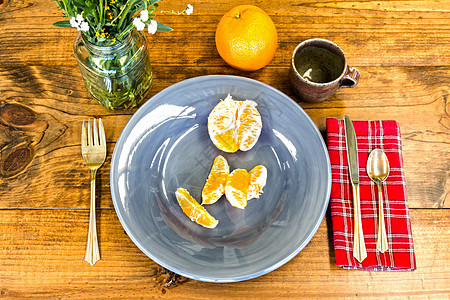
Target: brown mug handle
<point x="350" y="78"/>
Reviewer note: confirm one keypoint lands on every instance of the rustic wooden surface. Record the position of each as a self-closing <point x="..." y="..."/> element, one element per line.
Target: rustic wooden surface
<point x="402" y="51"/>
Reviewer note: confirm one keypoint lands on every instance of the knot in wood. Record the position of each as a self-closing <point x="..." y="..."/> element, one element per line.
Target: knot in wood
<point x="16" y="115"/>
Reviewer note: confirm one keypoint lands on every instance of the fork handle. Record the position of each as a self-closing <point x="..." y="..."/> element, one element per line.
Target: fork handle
<point x="92" y="252"/>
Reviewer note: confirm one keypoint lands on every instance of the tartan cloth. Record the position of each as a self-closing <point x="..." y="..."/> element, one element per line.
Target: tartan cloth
<point x="370" y="135"/>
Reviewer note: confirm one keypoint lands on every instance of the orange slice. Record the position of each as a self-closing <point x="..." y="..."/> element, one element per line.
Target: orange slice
<point x="258" y="178"/>
<point x="193" y="210"/>
<point x="248" y="125"/>
<point x="236" y="188"/>
<point x="234" y="125"/>
<point x="215" y="184"/>
<point x="221" y="125"/>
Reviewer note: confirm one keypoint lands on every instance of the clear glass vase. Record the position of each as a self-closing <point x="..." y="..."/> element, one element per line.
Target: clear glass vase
<point x="117" y="76"/>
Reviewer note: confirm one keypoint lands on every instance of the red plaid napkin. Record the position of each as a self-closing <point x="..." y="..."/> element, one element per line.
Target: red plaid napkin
<point x="370" y="135"/>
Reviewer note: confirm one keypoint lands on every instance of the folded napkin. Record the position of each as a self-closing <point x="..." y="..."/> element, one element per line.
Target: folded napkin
<point x="370" y="135"/>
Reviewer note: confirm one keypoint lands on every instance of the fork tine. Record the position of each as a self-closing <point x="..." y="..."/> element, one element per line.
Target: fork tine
<point x="83" y="135"/>
<point x="90" y="133"/>
<point x="96" y="141"/>
<point x="101" y="131"/>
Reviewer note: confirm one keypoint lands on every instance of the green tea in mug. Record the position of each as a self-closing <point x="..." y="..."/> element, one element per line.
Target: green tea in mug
<point x="318" y="65"/>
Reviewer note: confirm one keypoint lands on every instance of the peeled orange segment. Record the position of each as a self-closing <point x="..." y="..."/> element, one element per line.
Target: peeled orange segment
<point x="193" y="210"/>
<point x="234" y="125"/>
<point x="215" y="184"/>
<point x="258" y="178"/>
<point x="221" y="125"/>
<point x="236" y="188"/>
<point x="248" y="125"/>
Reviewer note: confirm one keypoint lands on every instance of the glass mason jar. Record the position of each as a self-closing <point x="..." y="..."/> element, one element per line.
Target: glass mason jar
<point x="117" y="76"/>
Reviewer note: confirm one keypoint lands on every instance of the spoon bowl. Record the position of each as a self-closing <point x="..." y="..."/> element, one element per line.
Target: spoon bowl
<point x="378" y="170"/>
<point x="377" y="165"/>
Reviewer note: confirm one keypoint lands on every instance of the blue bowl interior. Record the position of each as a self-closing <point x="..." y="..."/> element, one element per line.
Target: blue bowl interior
<point x="165" y="145"/>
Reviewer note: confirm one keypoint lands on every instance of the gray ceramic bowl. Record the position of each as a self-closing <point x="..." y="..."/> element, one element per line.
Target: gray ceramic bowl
<point x="165" y="145"/>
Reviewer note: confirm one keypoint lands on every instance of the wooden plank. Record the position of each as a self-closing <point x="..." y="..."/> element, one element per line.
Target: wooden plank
<point x="414" y="33"/>
<point x="42" y="256"/>
<point x="57" y="177"/>
<point x="61" y="88"/>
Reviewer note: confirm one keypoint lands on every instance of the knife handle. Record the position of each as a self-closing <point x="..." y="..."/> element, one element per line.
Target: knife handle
<point x="359" y="247"/>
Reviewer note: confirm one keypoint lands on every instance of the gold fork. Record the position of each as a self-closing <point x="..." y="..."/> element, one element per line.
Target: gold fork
<point x="93" y="150"/>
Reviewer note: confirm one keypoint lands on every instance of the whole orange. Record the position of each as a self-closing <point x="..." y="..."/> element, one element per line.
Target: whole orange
<point x="246" y="38"/>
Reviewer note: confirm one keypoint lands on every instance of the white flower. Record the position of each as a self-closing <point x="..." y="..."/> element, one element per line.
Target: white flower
<point x="73" y="22"/>
<point x="80" y="19"/>
<point x="152" y="27"/>
<point x="189" y="9"/>
<point x="137" y="22"/>
<point x="79" y="23"/>
<point x="144" y="15"/>
<point x="84" y="26"/>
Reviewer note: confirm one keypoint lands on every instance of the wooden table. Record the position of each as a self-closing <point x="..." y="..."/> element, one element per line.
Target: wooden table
<point x="402" y="51"/>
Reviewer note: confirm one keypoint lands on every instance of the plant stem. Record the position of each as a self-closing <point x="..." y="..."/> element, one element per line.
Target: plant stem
<point x="118" y="16"/>
<point x="101" y="12"/>
<point x="171" y="12"/>
<point x="65" y="8"/>
<point x="123" y="17"/>
<point x="125" y="32"/>
<point x="94" y="12"/>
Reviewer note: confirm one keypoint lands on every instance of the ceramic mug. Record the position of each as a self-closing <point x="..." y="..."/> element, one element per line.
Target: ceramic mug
<point x="318" y="69"/>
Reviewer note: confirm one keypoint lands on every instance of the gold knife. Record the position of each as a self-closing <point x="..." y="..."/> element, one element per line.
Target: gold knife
<point x="359" y="247"/>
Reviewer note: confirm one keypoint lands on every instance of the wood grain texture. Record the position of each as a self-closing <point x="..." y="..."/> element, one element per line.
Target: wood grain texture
<point x="372" y="33"/>
<point x="400" y="48"/>
<point x="42" y="256"/>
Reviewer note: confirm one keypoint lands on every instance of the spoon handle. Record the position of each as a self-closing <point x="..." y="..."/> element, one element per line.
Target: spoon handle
<point x="382" y="243"/>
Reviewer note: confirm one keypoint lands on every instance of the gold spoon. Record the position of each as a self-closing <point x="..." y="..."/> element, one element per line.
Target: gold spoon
<point x="378" y="171"/>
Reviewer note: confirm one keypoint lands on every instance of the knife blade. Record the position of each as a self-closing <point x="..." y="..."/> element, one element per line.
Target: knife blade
<point x="359" y="247"/>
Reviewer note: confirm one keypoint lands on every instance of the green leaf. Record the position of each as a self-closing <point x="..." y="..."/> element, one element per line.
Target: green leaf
<point x="63" y="24"/>
<point x="80" y="4"/>
<point x="163" y="28"/>
<point x="89" y="8"/>
<point x="60" y="4"/>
